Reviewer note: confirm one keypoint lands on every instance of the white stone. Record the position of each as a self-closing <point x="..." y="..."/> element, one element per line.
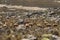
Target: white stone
<point x="57" y="37"/>
<point x="54" y="36"/>
<point x="20" y="27"/>
<point x="25" y="39"/>
<point x="31" y="37"/>
<point x="20" y="20"/>
<point x="13" y="35"/>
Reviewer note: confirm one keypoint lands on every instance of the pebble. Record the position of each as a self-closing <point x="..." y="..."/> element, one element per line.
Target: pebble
<point x="46" y="35"/>
<point x="13" y="35"/>
<point x="20" y="27"/>
<point x="20" y="20"/>
<point x="45" y="39"/>
<point x="31" y="37"/>
<point x="56" y="37"/>
<point x="25" y="39"/>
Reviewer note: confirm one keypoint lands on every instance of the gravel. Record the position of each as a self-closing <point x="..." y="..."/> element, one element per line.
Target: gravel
<point x="30" y="25"/>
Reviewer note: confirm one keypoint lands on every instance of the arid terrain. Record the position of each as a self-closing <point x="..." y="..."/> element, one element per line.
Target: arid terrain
<point x="29" y="20"/>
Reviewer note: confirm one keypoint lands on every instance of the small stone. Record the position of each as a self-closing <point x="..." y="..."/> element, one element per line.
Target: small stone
<point x="20" y="20"/>
<point x="31" y="37"/>
<point x="13" y="35"/>
<point x="4" y="25"/>
<point x="25" y="39"/>
<point x="20" y="27"/>
<point x="46" y="35"/>
<point x="26" y="25"/>
<point x="56" y="37"/>
<point x="12" y="31"/>
<point x="45" y="39"/>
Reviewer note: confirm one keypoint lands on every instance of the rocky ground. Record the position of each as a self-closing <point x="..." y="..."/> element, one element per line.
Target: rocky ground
<point x="30" y="25"/>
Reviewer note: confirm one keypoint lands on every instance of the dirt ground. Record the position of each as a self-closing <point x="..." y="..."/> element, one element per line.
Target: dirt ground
<point x="30" y="25"/>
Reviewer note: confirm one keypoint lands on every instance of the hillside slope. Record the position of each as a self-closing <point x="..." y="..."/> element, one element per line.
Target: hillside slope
<point x="39" y="3"/>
